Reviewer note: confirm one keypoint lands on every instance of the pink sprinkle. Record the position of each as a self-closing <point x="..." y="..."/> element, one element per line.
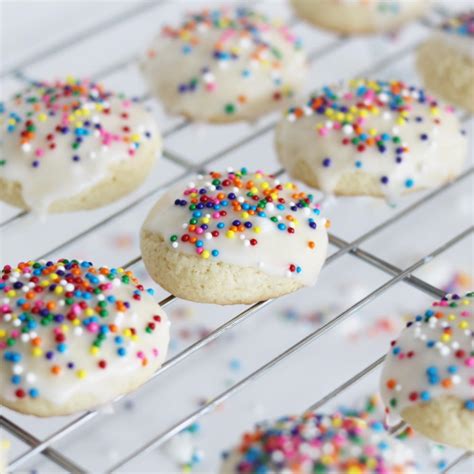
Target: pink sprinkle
<point x="3" y="345"/>
<point x="323" y="131"/>
<point x="39" y="152"/>
<point x="469" y="362"/>
<point x="211" y="86"/>
<point x="93" y="327"/>
<point x="155" y="352"/>
<point x="140" y="355"/>
<point x="199" y="250"/>
<point x="15" y="333"/>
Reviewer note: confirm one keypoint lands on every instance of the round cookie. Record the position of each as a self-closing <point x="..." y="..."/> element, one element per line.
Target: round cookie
<point x="428" y="376"/>
<point x="224" y="65"/>
<point x="374" y="138"/>
<point x="315" y="443"/>
<point x="360" y="16"/>
<point x="72" y="145"/>
<point x="74" y="336"/>
<point x="446" y="61"/>
<point x="234" y="237"/>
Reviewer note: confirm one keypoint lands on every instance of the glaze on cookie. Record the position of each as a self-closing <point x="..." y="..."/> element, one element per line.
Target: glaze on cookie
<point x="74" y="336"/>
<point x="367" y="137"/>
<point x="250" y="221"/>
<point x="315" y="443"/>
<point x="431" y="364"/>
<point x="70" y="145"/>
<point x="225" y="64"/>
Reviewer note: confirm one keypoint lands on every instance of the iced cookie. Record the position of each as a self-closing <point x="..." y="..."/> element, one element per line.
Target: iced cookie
<point x="224" y="65"/>
<point x="446" y="61"/>
<point x="428" y="377"/>
<point x="73" y="145"/>
<point x="74" y="336"/>
<point x="368" y="137"/>
<point x="360" y="16"/>
<point x="234" y="237"/>
<point x="315" y="443"/>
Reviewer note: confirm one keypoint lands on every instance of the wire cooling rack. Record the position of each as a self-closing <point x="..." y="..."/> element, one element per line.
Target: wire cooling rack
<point x="331" y="58"/>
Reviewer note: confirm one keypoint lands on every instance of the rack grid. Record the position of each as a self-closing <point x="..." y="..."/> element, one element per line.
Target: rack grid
<point x="45" y="446"/>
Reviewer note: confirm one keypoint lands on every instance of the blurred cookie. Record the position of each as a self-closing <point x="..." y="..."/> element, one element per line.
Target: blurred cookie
<point x="367" y="137"/>
<point x="224" y="65"/>
<point x="314" y="443"/>
<point x="72" y="145"/>
<point x="428" y="376"/>
<point x="234" y="237"/>
<point x="446" y="61"/>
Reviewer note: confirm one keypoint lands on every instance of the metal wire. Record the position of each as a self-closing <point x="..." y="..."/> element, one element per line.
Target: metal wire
<point x="215" y="402"/>
<point x="352" y="248"/>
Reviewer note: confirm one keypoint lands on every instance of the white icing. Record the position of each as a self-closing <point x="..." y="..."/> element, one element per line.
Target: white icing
<point x="58" y="176"/>
<point x="314" y="137"/>
<point x="99" y="385"/>
<point x="406" y="367"/>
<point x="276" y="249"/>
<point x="247" y="81"/>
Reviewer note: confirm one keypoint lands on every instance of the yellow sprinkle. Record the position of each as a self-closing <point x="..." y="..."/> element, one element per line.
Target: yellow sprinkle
<point x="58" y="290"/>
<point x="400" y="121"/>
<point x="89" y="312"/>
<point x="76" y="322"/>
<point x="205" y="220"/>
<point x="254" y="190"/>
<point x="134" y="338"/>
<point x="81" y="373"/>
<point x="45" y="283"/>
<point x="64" y="328"/>
<point x="135" y="137"/>
<point x="245" y="215"/>
<point x="465" y="302"/>
<point x="452" y="317"/>
<point x="446" y="337"/>
<point x="373" y="132"/>
<point x="265" y="185"/>
<point x="42" y="117"/>
<point x="230" y="234"/>
<point x="257" y="230"/>
<point x="127" y="332"/>
<point x="3" y="333"/>
<point x="206" y="254"/>
<point x="363" y="113"/>
<point x="354" y="470"/>
<point x="37" y="352"/>
<point x="336" y="422"/>
<point x="464" y="325"/>
<point x="94" y="350"/>
<point x="326" y="459"/>
<point x="11" y="293"/>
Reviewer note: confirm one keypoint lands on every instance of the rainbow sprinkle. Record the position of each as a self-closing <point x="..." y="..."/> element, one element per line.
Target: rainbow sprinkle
<point x="348" y="113"/>
<point x="239" y="206"/>
<point x="64" y="320"/>
<point x="433" y="356"/>
<point x="240" y="33"/>
<point x="48" y="114"/>
<point x="461" y="24"/>
<point x="322" y="444"/>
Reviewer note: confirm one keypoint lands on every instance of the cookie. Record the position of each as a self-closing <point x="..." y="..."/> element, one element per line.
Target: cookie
<point x="72" y="145"/>
<point x="74" y="336"/>
<point x="360" y="16"/>
<point x="428" y="376"/>
<point x="446" y="61"/>
<point x="375" y="138"/>
<point x="315" y="443"/>
<point x="234" y="237"/>
<point x="225" y="65"/>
